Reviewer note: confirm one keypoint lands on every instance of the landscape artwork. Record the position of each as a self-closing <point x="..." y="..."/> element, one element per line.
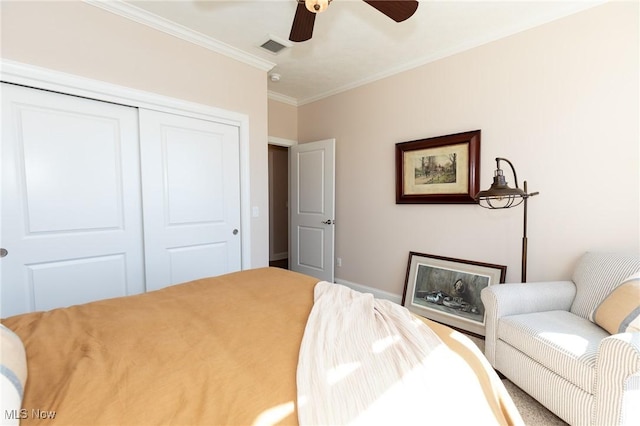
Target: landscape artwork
<point x="444" y="169"/>
<point x="434" y="169"/>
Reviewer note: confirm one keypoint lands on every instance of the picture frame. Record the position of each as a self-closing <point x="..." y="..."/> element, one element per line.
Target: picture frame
<point x="447" y="290"/>
<point x="439" y="170"/>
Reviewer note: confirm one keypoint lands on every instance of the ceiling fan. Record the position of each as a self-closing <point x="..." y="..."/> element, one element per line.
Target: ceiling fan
<point x="302" y="28"/>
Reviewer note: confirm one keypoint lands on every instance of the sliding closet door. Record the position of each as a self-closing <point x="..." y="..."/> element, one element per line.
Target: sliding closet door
<point x="191" y="198"/>
<point x="71" y="222"/>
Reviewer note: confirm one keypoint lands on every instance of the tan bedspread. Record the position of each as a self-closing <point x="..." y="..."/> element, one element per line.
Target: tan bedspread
<point x="215" y="351"/>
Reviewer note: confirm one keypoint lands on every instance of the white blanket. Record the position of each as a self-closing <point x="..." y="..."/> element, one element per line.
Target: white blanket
<point x="369" y="361"/>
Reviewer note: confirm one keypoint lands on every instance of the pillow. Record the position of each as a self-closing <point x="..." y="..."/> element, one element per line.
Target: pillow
<point x="13" y="374"/>
<point x="620" y="311"/>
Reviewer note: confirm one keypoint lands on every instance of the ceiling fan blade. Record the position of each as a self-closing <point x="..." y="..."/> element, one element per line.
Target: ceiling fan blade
<point x="302" y="28"/>
<point x="398" y="10"/>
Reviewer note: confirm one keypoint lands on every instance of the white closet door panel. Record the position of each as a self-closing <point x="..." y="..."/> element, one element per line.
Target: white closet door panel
<point x="77" y="173"/>
<point x="192" y="262"/>
<point x="191" y="197"/>
<point x="71" y="205"/>
<point x="94" y="278"/>
<point x="195" y="193"/>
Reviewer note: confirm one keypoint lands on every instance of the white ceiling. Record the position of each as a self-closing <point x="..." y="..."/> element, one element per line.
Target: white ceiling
<point x="352" y="42"/>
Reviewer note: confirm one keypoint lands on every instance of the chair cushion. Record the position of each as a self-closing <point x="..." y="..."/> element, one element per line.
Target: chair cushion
<point x="620" y="311"/>
<point x="559" y="340"/>
<point x="596" y="275"/>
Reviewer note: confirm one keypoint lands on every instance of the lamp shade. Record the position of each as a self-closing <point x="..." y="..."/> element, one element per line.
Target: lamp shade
<point x="500" y="195"/>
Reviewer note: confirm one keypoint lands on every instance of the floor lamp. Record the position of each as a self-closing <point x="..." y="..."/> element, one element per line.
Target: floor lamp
<point x="501" y="196"/>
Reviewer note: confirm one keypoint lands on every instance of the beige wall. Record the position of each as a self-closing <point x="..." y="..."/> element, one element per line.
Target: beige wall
<point x="283" y="120"/>
<point x="80" y="39"/>
<point x="560" y="101"/>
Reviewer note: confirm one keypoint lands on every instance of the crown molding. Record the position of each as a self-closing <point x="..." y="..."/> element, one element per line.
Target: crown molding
<point x="141" y="16"/>
<point x="275" y="96"/>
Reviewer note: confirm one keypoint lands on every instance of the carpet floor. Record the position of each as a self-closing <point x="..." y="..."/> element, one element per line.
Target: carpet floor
<point x="533" y="413"/>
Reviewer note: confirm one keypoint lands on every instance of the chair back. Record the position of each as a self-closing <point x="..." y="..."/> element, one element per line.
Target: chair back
<point x="598" y="274"/>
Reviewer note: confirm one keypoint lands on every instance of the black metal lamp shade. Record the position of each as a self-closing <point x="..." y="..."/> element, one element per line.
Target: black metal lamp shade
<point x="500" y="195"/>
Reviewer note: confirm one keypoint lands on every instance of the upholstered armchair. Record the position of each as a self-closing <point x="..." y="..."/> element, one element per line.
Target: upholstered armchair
<point x="572" y="345"/>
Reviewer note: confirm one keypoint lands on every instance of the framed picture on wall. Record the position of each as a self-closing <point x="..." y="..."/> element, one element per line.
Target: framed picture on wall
<point x="443" y="169"/>
<point x="448" y="290"/>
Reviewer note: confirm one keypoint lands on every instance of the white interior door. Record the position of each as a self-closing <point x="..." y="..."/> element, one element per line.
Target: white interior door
<point x="191" y="198"/>
<point x="313" y="209"/>
<point x="71" y="220"/>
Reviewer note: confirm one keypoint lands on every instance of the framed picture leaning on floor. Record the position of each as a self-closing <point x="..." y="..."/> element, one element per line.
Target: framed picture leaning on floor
<point x="448" y="290"/>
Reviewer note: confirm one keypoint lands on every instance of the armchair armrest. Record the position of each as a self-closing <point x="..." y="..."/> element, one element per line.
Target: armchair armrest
<point x="521" y="298"/>
<point x="524" y="298"/>
<point x="618" y="386"/>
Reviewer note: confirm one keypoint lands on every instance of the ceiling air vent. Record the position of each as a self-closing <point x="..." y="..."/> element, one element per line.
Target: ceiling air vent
<point x="275" y="44"/>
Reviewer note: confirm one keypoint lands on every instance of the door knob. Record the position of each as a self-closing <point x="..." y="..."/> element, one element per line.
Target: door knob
<point x="328" y="222"/>
<point x="3" y="252"/>
<point x="235" y="232"/>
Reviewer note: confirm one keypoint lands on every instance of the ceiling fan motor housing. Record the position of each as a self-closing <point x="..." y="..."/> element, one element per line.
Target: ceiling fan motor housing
<point x="316" y="6"/>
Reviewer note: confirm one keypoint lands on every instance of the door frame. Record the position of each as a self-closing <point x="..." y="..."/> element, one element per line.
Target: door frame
<point x="47" y="79"/>
<point x="285" y="143"/>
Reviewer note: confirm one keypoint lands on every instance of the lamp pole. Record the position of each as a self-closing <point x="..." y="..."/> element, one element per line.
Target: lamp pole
<point x="524" y="232"/>
<point x="524" y="238"/>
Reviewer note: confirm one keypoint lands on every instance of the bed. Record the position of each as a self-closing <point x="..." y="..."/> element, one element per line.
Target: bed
<point x="257" y="347"/>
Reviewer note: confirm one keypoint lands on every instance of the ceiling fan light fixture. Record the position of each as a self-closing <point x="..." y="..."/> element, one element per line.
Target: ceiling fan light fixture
<point x="317" y="6"/>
